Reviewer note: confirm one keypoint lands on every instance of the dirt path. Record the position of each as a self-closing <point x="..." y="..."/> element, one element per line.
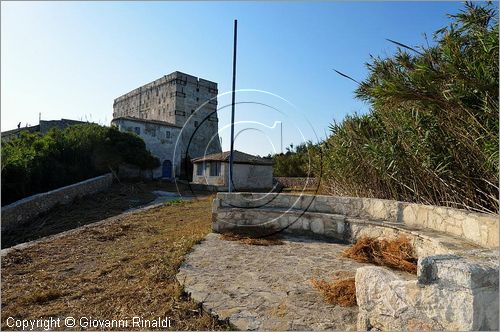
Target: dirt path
<point x="116" y="270"/>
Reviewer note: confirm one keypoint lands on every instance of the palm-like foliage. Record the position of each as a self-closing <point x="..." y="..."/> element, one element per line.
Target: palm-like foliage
<point x="432" y="133"/>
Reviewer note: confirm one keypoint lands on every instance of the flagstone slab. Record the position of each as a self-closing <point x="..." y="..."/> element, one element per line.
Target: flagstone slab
<point x="268" y="287"/>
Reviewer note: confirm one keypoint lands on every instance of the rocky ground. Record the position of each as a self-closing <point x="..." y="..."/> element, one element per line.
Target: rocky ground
<point x="268" y="287"/>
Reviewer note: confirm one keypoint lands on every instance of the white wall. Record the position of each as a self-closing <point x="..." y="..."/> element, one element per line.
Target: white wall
<point x="245" y="176"/>
<point x="210" y="180"/>
<point x="252" y="176"/>
<point x="154" y="135"/>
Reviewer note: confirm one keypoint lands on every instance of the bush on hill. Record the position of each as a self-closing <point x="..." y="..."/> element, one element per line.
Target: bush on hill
<point x="293" y="163"/>
<point x="35" y="163"/>
<point x="432" y="133"/>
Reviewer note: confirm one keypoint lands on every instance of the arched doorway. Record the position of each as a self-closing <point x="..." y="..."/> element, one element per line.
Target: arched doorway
<point x="166" y="169"/>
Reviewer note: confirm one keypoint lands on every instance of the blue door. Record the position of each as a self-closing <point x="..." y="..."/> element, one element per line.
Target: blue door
<point x="166" y="171"/>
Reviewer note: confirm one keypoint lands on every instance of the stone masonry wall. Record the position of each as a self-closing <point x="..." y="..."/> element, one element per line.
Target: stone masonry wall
<point x="32" y="206"/>
<point x="182" y="100"/>
<point x="479" y="228"/>
<point x="463" y="298"/>
<point x="160" y="139"/>
<point x="457" y="281"/>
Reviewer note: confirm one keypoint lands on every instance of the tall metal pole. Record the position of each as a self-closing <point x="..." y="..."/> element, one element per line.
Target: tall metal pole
<point x="231" y="152"/>
<point x="281" y="123"/>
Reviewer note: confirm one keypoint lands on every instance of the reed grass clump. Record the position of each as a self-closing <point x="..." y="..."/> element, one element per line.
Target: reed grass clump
<point x="431" y="135"/>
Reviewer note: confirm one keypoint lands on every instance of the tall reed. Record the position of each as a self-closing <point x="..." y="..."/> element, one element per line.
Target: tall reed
<point x="432" y="133"/>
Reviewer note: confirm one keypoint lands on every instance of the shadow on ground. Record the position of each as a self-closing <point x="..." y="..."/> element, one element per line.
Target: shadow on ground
<point x="119" y="198"/>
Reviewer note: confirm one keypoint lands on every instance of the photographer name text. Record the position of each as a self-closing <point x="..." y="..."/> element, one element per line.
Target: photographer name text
<point x="87" y="322"/>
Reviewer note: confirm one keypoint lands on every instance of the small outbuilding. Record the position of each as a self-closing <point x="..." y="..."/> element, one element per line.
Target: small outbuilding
<point x="249" y="172"/>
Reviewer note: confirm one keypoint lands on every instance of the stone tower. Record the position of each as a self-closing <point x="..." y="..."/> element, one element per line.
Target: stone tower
<point x="182" y="100"/>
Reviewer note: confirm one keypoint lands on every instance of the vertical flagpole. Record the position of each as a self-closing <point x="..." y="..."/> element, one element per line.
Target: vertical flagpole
<point x="231" y="152"/>
<point x="281" y="131"/>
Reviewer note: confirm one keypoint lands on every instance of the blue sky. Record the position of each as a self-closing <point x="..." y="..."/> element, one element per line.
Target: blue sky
<point x="71" y="59"/>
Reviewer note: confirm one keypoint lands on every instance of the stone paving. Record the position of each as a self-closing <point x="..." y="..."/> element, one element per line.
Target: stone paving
<point x="268" y="287"/>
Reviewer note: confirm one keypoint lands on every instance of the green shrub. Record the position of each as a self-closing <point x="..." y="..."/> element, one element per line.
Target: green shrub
<point x="35" y="163"/>
<point x="293" y="163"/>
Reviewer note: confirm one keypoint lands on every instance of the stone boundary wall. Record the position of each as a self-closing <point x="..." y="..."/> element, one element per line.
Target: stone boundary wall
<point x="480" y="228"/>
<point x="114" y="219"/>
<point x="457" y="281"/>
<point x="30" y="207"/>
<point x="127" y="171"/>
<point x="450" y="293"/>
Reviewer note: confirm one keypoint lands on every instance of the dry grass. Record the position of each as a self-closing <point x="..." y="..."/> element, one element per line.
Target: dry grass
<point x="42" y="297"/>
<point x="397" y="254"/>
<point x="119" y="198"/>
<point x="117" y="270"/>
<point x="340" y="291"/>
<point x="252" y="239"/>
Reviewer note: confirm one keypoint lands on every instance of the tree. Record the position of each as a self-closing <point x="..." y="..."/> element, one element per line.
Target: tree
<point x="36" y="163"/>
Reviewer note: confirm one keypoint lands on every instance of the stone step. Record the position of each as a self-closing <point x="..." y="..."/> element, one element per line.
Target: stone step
<point x="426" y="241"/>
<point x="457" y="284"/>
<point x="480" y="228"/>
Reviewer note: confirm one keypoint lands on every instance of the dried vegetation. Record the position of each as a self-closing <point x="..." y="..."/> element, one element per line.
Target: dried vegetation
<point x="397" y="254"/>
<point x="252" y="239"/>
<point x="341" y="290"/>
<point x="116" y="270"/>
